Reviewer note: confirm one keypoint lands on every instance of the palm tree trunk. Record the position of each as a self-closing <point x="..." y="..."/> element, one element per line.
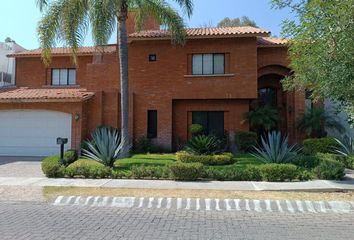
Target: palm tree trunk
<point x="122" y="38"/>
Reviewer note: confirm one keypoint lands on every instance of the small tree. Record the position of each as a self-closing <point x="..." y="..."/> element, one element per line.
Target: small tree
<point x="262" y="118"/>
<point x="237" y="22"/>
<point x="316" y="120"/>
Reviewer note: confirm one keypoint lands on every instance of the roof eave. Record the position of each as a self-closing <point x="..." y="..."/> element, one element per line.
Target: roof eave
<point x="265" y="34"/>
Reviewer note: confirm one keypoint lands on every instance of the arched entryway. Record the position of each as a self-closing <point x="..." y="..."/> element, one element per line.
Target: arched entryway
<point x="270" y="92"/>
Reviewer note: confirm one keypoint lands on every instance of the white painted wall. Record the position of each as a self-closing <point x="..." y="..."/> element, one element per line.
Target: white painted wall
<point x="8" y="65"/>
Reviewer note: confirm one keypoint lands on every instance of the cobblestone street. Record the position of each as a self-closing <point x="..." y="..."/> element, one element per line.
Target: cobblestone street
<point x="33" y="220"/>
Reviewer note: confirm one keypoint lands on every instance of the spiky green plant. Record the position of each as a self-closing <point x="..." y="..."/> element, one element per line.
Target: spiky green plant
<point x="345" y="146"/>
<point x="316" y="120"/>
<point x="275" y="149"/>
<point x="203" y="145"/>
<point x="68" y="21"/>
<point x="105" y="147"/>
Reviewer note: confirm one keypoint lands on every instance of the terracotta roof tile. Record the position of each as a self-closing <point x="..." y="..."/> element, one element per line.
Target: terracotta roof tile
<point x="25" y="94"/>
<point x="203" y="32"/>
<point x="271" y="41"/>
<point x="67" y="51"/>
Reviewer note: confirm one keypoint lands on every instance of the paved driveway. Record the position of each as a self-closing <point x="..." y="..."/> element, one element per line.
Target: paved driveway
<point x="20" y="167"/>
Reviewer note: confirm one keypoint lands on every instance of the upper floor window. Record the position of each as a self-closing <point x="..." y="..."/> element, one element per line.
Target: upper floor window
<point x="63" y="76"/>
<point x="208" y="64"/>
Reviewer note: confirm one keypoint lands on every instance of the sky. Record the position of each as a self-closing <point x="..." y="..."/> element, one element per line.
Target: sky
<point x="19" y="18"/>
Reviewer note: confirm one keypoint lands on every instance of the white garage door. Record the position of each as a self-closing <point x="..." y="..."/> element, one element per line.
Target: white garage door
<point x="33" y="132"/>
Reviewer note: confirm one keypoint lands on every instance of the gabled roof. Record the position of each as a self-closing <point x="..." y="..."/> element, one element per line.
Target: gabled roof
<point x="193" y="33"/>
<point x="271" y="42"/>
<point x="62" y="51"/>
<point x="24" y="94"/>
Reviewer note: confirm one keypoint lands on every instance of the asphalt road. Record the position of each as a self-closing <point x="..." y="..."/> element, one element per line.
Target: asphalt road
<point x="41" y="220"/>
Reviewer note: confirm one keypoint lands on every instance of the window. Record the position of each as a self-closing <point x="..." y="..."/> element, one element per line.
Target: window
<point x="63" y="76"/>
<point x="267" y="96"/>
<point x="212" y="122"/>
<point x="152" y="124"/>
<point x="208" y="64"/>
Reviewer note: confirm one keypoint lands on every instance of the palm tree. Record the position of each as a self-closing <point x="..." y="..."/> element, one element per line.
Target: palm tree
<point x="316" y="120"/>
<point x="262" y="118"/>
<point x="68" y="21"/>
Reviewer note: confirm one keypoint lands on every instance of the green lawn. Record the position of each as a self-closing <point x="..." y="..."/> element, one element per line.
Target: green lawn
<point x="241" y="161"/>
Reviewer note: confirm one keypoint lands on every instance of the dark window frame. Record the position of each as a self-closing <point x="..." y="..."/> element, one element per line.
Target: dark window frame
<point x="152" y="133"/>
<point x="213" y="73"/>
<point x="67" y="76"/>
<point x="209" y="114"/>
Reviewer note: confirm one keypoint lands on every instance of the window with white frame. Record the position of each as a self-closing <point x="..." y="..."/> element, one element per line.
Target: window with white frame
<point x="63" y="76"/>
<point x="208" y="64"/>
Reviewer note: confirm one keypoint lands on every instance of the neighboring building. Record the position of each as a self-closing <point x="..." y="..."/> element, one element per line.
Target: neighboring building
<point x="212" y="80"/>
<point x="7" y="65"/>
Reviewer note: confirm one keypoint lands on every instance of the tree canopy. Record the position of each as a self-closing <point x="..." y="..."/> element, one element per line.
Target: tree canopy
<point x="321" y="48"/>
<point x="237" y="22"/>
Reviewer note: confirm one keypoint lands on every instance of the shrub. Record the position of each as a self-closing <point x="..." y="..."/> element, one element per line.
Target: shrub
<point x="70" y="156"/>
<point x="306" y="161"/>
<point x="245" y="140"/>
<point x="278" y="172"/>
<point x="250" y="173"/>
<point x="274" y="149"/>
<point x="222" y="159"/>
<point x="150" y="172"/>
<point x="87" y="168"/>
<point x="106" y="147"/>
<point x="195" y="129"/>
<point x="146" y="145"/>
<point x="51" y="167"/>
<point x="203" y="145"/>
<point x="263" y="118"/>
<point x="186" y="171"/>
<point x="329" y="170"/>
<point x="312" y="146"/>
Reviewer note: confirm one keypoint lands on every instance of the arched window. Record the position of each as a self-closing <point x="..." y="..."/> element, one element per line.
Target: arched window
<point x="267" y="96"/>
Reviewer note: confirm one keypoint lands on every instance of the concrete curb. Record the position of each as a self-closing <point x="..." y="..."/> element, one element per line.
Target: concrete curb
<point x="317" y="185"/>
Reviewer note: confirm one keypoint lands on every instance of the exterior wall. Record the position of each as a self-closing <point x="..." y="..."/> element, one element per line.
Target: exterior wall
<point x="165" y="85"/>
<point x="156" y="84"/>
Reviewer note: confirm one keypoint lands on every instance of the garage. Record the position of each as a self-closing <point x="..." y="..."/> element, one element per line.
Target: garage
<point x="33" y="132"/>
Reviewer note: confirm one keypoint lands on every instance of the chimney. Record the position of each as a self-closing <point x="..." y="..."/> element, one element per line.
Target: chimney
<point x="150" y="23"/>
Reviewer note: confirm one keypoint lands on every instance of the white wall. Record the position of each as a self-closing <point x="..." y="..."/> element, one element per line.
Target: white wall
<point x="8" y="65"/>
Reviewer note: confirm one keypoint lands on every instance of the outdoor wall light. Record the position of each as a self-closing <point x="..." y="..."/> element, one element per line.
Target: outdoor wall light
<point x="77" y="117"/>
<point x="152" y="58"/>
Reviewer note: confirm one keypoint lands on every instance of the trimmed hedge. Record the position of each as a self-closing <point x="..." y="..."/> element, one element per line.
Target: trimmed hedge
<point x="329" y="170"/>
<point x="250" y="173"/>
<point x="245" y="140"/>
<point x="185" y="171"/>
<point x="70" y="156"/>
<point x="88" y="169"/>
<point x="306" y="161"/>
<point x="150" y="172"/>
<point x="52" y="168"/>
<point x="220" y="159"/>
<point x="312" y="146"/>
<point x="278" y="172"/>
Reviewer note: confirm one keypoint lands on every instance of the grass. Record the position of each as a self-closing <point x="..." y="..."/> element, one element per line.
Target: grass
<point x="52" y="192"/>
<point x="241" y="161"/>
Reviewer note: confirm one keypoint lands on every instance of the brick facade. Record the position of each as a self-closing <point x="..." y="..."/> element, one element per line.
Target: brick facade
<point x="165" y="85"/>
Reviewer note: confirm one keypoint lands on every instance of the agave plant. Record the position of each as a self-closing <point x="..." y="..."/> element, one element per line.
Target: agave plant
<point x="203" y="145"/>
<point x="345" y="146"/>
<point x="275" y="149"/>
<point x="105" y="146"/>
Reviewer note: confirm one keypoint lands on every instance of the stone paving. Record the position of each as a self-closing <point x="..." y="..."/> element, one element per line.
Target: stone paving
<point x="44" y="221"/>
<point x="20" y="167"/>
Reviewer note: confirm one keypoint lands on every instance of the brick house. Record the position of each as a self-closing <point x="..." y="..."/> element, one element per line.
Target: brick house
<point x="213" y="80"/>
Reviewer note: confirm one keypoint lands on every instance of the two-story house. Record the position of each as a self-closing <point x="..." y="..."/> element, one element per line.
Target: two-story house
<point x="212" y="80"/>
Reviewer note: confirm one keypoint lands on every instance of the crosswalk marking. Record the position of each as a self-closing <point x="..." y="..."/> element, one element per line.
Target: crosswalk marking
<point x="299" y="206"/>
<point x="279" y="206"/>
<point x="268" y="207"/>
<point x="259" y="206"/>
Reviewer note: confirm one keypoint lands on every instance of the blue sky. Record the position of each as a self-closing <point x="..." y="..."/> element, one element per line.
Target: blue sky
<point x="18" y="18"/>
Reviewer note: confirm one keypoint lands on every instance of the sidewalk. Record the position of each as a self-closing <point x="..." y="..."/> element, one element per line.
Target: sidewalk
<point x="317" y="185"/>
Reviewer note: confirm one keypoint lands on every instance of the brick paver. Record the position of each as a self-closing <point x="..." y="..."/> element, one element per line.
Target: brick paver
<point x="45" y="221"/>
